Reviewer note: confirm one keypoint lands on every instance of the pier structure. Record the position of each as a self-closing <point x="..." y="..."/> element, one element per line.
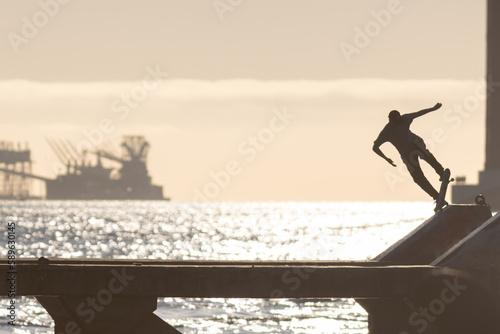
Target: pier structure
<point x="15" y="160"/>
<point x="442" y="278"/>
<point x="489" y="178"/>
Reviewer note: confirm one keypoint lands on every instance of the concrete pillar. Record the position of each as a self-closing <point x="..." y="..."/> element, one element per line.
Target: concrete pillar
<point x="84" y="315"/>
<point x="493" y="75"/>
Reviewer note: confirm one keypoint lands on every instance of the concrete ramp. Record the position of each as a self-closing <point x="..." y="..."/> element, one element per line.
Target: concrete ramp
<point x="478" y="254"/>
<point x="423" y="245"/>
<point x="436" y="235"/>
<point x="471" y="304"/>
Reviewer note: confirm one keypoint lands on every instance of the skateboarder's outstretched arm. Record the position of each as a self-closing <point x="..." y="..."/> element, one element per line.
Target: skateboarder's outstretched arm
<point x="376" y="149"/>
<point x="426" y="111"/>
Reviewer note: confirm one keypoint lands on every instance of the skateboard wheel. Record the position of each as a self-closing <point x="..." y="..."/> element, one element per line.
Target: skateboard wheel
<point x="480" y="200"/>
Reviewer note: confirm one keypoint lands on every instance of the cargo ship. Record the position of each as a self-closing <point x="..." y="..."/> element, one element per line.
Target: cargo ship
<point x="86" y="181"/>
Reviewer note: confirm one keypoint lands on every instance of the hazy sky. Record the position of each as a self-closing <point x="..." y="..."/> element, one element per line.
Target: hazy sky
<point x="285" y="96"/>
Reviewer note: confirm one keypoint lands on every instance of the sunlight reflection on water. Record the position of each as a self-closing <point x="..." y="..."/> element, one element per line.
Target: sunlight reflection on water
<point x="215" y="231"/>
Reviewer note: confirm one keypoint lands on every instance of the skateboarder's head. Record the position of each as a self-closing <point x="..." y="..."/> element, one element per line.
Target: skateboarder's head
<point x="394" y="116"/>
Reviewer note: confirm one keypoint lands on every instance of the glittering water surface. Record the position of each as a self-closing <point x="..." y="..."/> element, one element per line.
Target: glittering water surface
<point x="213" y="231"/>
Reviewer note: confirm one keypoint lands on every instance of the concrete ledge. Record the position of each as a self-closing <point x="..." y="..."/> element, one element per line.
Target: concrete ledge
<point x="207" y="280"/>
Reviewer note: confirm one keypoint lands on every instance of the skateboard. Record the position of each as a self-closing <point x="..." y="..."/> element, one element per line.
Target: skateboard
<point x="445" y="180"/>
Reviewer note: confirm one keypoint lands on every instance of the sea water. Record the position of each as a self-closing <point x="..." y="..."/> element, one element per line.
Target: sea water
<point x="212" y="231"/>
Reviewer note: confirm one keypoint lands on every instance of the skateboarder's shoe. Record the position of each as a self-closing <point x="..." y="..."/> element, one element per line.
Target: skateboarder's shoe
<point x="445" y="203"/>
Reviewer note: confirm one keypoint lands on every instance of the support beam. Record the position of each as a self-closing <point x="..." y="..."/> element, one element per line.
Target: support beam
<point x="244" y="280"/>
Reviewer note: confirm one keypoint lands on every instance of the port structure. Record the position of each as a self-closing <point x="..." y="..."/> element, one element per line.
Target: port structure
<point x="442" y="278"/>
<point x="85" y="179"/>
<point x="15" y="158"/>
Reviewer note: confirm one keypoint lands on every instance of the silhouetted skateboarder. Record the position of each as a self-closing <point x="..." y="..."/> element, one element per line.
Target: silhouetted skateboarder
<point x="410" y="146"/>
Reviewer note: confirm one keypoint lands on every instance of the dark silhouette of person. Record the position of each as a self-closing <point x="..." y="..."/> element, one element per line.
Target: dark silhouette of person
<point x="410" y="146"/>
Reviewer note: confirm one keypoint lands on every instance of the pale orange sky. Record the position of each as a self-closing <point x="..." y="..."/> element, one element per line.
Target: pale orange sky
<point x="228" y="78"/>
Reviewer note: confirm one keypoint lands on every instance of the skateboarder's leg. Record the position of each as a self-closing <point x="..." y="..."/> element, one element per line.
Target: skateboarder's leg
<point x="431" y="160"/>
<point x="420" y="179"/>
<point x="428" y="157"/>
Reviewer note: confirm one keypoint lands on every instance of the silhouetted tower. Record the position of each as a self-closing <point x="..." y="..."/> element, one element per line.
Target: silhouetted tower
<point x="489" y="179"/>
<point x="493" y="102"/>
